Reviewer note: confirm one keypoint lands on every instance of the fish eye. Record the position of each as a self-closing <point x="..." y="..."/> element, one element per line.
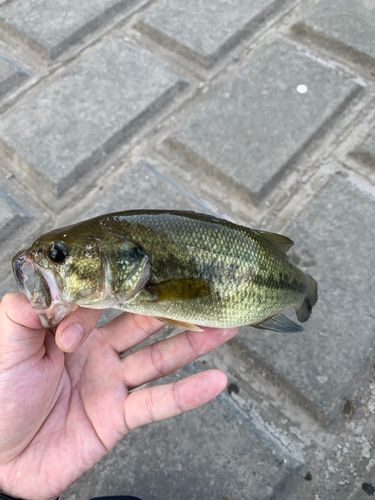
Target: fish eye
<point x="57" y="252"/>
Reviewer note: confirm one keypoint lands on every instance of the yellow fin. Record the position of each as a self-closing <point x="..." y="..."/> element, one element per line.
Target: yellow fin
<point x="181" y="324"/>
<point x="179" y="290"/>
<point x="283" y="242"/>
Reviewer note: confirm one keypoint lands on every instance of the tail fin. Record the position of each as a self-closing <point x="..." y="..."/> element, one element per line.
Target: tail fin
<point x="303" y="313"/>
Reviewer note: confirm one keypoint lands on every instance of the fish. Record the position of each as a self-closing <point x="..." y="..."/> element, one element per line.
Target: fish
<point x="187" y="269"/>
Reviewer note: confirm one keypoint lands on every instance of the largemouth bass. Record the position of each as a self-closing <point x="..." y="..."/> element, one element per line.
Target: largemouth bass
<point x="187" y="269"/>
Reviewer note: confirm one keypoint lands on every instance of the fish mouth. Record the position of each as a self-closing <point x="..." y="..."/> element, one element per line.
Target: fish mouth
<point x="33" y="282"/>
<point x="42" y="290"/>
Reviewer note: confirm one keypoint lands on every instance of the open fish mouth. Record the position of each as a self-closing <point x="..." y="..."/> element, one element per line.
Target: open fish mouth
<point x="32" y="281"/>
<point x="41" y="288"/>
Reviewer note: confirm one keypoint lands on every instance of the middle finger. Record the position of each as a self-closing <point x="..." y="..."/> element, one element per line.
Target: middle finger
<point x="162" y="358"/>
<point x="128" y="330"/>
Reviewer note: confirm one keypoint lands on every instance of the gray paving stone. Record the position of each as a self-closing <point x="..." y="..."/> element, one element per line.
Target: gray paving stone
<point x="327" y="362"/>
<point x="205" y="30"/>
<point x="344" y="24"/>
<point x="72" y="126"/>
<point x="11" y="76"/>
<point x="253" y="129"/>
<point x="365" y="152"/>
<point x="53" y="26"/>
<point x="145" y="187"/>
<point x="13" y="216"/>
<point x="211" y="453"/>
<point x="8" y="285"/>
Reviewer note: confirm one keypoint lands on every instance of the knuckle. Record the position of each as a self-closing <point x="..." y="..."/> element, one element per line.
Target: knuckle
<point x="150" y="406"/>
<point x="157" y="359"/>
<point x="144" y="323"/>
<point x="191" y="340"/>
<point x="177" y="398"/>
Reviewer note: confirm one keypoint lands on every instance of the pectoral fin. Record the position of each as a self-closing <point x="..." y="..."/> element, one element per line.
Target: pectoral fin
<point x="181" y="324"/>
<point x="280" y="323"/>
<point x="179" y="290"/>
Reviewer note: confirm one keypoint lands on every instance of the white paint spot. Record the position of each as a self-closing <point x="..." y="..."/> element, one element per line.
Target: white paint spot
<point x="302" y="89"/>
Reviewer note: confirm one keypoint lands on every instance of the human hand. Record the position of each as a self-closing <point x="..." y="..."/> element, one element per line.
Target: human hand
<point x="61" y="412"/>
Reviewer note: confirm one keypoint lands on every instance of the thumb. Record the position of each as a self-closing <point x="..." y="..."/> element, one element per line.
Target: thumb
<point x="21" y="334"/>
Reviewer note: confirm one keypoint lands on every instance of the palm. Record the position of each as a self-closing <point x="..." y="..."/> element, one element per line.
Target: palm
<point x="65" y="411"/>
<point x="84" y="417"/>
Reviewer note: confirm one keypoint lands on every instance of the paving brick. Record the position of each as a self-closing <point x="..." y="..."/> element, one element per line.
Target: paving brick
<point x="10" y="76"/>
<point x="344" y="24"/>
<point x="327" y="362"/>
<point x="205" y="30"/>
<point x="144" y="187"/>
<point x="53" y="26"/>
<point x="72" y="125"/>
<point x="365" y="152"/>
<point x="253" y="129"/>
<point x="214" y="452"/>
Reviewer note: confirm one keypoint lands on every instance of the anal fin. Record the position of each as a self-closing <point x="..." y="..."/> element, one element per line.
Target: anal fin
<point x="280" y="323"/>
<point x="181" y="324"/>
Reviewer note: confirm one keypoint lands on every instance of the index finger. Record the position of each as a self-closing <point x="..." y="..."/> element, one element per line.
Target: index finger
<point x="123" y="332"/>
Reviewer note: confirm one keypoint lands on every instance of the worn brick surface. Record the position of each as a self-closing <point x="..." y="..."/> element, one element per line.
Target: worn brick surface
<point x="145" y="187"/>
<point x="8" y="285"/>
<point x="345" y="25"/>
<point x="21" y="218"/>
<point x="208" y="453"/>
<point x="328" y="361"/>
<point x="71" y="126"/>
<point x="253" y="129"/>
<point x="205" y="30"/>
<point x="365" y="152"/>
<point x="53" y="26"/>
<point x="13" y="215"/>
<point x="11" y="76"/>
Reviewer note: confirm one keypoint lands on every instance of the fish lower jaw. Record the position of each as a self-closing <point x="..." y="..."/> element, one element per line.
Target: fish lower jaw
<point x="55" y="314"/>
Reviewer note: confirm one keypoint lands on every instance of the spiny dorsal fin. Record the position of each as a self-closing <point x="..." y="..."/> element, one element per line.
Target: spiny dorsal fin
<point x="181" y="324"/>
<point x="179" y="289"/>
<point x="283" y="242"/>
<point x="280" y="323"/>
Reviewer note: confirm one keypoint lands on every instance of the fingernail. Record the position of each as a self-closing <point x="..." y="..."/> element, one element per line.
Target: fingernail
<point x="71" y="336"/>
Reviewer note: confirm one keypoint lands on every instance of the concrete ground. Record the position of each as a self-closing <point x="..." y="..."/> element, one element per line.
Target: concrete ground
<point x="261" y="112"/>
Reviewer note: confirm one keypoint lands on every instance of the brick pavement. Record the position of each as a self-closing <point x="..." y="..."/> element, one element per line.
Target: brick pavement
<point x="260" y="112"/>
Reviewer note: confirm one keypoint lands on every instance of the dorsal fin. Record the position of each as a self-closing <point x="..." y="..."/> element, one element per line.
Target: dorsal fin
<point x="283" y="242"/>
